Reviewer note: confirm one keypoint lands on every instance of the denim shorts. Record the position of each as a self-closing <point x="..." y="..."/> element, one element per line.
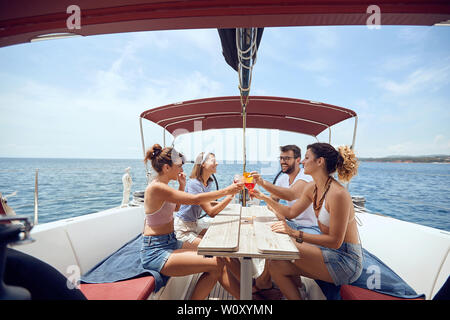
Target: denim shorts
<point x="344" y="264"/>
<point x="156" y="250"/>
<point x="310" y="230"/>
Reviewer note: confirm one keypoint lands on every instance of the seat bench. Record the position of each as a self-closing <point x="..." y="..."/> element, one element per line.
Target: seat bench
<point x="349" y="292"/>
<point x="133" y="289"/>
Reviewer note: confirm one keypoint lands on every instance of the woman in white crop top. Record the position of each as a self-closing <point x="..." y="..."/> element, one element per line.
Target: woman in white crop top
<point x="161" y="250"/>
<point x="334" y="256"/>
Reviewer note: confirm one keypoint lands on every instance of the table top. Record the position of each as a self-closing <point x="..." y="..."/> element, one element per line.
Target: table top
<point x="245" y="232"/>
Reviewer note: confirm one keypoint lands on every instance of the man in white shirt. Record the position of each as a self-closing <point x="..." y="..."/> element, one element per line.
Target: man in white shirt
<point x="289" y="186"/>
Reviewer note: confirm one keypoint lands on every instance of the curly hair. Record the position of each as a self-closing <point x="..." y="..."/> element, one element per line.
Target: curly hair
<point x="347" y="168"/>
<point x="343" y="160"/>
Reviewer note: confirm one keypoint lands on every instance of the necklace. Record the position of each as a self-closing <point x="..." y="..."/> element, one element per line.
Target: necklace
<point x="316" y="205"/>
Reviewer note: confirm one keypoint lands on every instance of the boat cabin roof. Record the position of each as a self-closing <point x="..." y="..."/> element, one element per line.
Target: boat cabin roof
<point x="289" y="114"/>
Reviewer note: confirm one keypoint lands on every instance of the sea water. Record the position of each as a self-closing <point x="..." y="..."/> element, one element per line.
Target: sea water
<point x="414" y="192"/>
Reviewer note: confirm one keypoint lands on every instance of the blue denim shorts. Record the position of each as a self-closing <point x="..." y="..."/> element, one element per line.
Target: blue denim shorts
<point x="344" y="264"/>
<point x="310" y="230"/>
<point x="156" y="250"/>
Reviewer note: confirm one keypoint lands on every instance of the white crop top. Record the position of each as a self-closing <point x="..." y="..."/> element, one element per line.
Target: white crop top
<point x="324" y="216"/>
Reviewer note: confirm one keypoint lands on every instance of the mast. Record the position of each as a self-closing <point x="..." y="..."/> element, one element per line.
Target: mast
<point x="247" y="46"/>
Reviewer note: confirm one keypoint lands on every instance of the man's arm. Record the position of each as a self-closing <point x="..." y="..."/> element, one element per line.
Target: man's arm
<point x="292" y="193"/>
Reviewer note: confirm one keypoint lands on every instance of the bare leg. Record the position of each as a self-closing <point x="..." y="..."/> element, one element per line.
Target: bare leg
<point x="228" y="280"/>
<point x="264" y="281"/>
<point x="310" y="265"/>
<point x="281" y="272"/>
<point x="234" y="266"/>
<point x="184" y="262"/>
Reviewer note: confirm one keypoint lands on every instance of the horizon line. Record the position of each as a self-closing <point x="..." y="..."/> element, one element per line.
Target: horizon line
<point x="98" y="158"/>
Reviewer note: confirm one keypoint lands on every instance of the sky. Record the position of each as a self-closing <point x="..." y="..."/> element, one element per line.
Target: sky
<point x="82" y="97"/>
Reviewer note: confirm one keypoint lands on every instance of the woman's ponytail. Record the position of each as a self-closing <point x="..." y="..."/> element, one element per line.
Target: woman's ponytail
<point x="347" y="164"/>
<point x="342" y="160"/>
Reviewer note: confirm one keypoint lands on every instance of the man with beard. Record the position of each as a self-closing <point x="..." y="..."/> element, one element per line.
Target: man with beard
<point x="289" y="186"/>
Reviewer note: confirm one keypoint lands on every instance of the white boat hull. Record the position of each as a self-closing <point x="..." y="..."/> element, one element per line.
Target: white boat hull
<point x="418" y="254"/>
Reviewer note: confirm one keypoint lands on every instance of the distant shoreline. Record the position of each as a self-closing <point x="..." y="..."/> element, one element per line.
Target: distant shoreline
<point x="445" y="159"/>
<point x="407" y="159"/>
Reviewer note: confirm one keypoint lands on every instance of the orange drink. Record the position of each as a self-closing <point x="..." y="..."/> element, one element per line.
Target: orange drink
<point x="248" y="181"/>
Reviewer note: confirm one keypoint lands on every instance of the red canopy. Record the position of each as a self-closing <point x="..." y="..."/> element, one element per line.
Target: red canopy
<point x="23" y="20"/>
<point x="301" y="116"/>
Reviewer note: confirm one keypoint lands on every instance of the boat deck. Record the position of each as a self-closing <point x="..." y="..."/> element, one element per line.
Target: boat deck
<point x="217" y="293"/>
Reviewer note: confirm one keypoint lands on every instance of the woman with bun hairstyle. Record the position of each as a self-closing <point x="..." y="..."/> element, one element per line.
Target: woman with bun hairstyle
<point x="334" y="256"/>
<point x="161" y="251"/>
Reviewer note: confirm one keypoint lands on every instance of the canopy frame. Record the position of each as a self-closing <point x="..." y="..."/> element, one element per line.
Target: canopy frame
<point x="20" y="22"/>
<point x="188" y="117"/>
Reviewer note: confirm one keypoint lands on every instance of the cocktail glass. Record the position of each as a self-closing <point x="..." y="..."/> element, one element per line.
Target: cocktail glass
<point x="248" y="181"/>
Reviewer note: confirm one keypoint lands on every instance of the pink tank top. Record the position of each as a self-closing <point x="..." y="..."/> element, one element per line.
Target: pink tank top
<point x="162" y="216"/>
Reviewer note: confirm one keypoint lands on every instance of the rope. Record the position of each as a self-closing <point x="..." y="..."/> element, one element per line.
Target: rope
<point x="249" y="57"/>
<point x="252" y="50"/>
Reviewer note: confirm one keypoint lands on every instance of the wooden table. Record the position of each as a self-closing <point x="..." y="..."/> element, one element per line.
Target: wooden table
<point x="245" y="233"/>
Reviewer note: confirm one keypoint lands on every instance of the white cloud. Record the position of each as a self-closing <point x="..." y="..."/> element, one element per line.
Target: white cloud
<point x="415" y="35"/>
<point x="77" y="123"/>
<point x="422" y="79"/>
<point x="396" y="63"/>
<point x="97" y="116"/>
<point x="324" y="81"/>
<point x="441" y="144"/>
<point x="404" y="148"/>
<point x="323" y="38"/>
<point x="318" y="64"/>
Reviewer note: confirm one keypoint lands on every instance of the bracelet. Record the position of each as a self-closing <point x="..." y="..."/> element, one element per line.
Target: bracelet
<point x="299" y="239"/>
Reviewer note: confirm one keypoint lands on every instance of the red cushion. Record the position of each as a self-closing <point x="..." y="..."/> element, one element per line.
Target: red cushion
<point x="134" y="289"/>
<point x="349" y="292"/>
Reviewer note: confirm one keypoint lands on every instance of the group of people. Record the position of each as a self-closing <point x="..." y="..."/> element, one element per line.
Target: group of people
<point x="319" y="215"/>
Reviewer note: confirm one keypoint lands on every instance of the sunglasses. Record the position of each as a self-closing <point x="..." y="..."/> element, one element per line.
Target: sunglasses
<point x="201" y="159"/>
<point x="286" y="158"/>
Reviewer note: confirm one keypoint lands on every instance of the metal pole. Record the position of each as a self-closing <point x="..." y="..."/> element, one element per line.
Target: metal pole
<point x="164" y="138"/>
<point x="142" y="136"/>
<point x="354" y="133"/>
<point x="36" y="198"/>
<point x="244" y="154"/>
<point x="244" y="125"/>
<point x="353" y="144"/>
<point x="143" y="149"/>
